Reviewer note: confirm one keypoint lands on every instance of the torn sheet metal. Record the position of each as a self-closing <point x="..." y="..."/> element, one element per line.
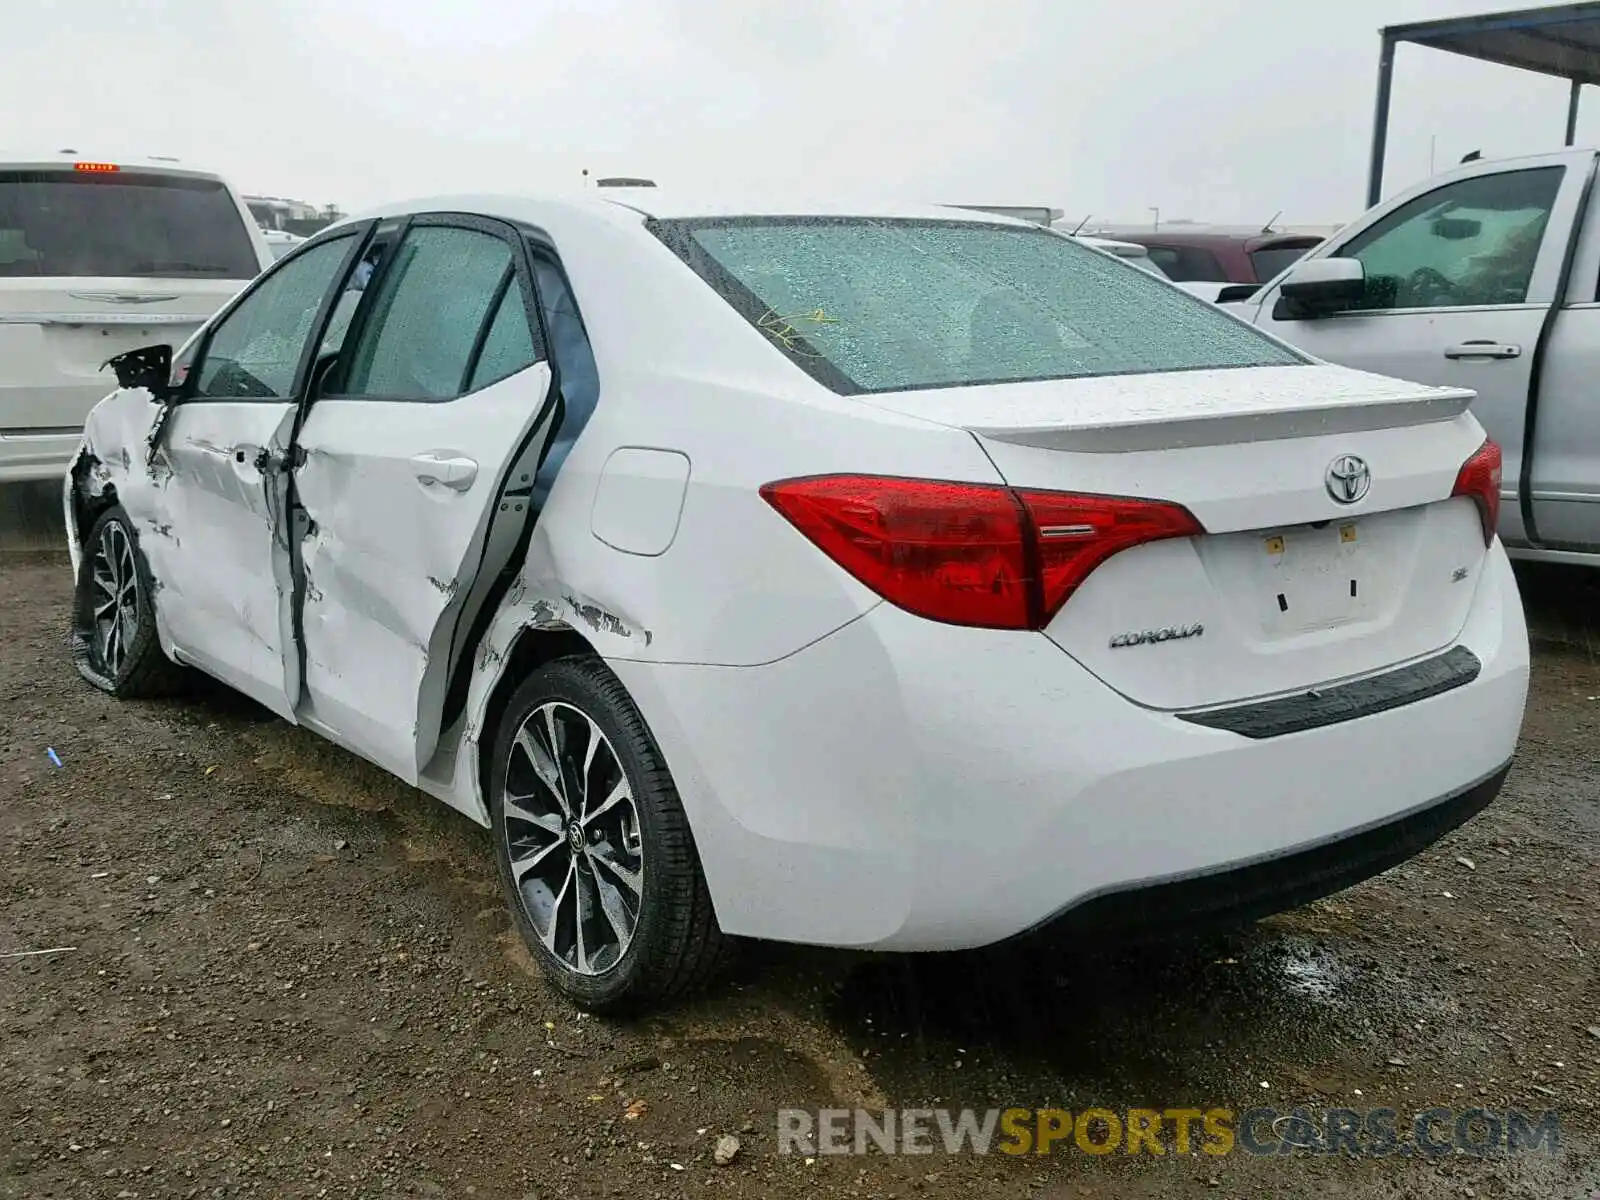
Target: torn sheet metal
<point x="538" y="599"/>
<point x="209" y="522"/>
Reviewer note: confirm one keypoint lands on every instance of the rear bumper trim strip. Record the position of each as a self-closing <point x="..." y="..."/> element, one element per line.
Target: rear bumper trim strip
<point x="1454" y="668"/>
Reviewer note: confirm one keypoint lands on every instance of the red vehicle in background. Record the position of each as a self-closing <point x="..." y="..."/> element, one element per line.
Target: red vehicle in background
<point x="1217" y="254"/>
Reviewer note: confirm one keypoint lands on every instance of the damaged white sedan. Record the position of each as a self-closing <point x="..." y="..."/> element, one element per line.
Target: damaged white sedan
<point x="890" y="578"/>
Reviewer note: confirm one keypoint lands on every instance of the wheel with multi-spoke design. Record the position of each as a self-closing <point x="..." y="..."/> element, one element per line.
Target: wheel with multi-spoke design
<point x="595" y="853"/>
<point x="114" y="639"/>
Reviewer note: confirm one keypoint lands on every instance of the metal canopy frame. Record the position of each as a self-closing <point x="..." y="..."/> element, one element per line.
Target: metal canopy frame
<point x="1563" y="41"/>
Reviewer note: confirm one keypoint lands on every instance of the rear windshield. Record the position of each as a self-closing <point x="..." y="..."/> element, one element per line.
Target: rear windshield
<point x="122" y="224"/>
<point x="868" y="305"/>
<point x="1140" y="258"/>
<point x="1271" y="260"/>
<point x="1189" y="264"/>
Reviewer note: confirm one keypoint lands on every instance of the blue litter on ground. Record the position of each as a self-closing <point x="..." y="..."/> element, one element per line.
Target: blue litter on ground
<point x="55" y="758"/>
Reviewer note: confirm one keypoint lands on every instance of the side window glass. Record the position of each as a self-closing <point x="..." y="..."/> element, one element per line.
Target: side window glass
<point x="430" y="305"/>
<point x="508" y="347"/>
<point x="1473" y="242"/>
<point x="1166" y="258"/>
<point x="254" y="351"/>
<point x="344" y="309"/>
<point x="1188" y="264"/>
<point x="1271" y="261"/>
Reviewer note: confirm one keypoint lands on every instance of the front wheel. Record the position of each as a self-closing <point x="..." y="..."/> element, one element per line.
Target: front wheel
<point x="595" y="853"/>
<point x="114" y="639"/>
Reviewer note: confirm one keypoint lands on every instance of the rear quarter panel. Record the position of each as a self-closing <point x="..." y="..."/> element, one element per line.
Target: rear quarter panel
<point x="681" y="372"/>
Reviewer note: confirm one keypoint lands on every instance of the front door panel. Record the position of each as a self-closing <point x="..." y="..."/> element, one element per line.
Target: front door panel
<point x="1461" y="273"/>
<point x="1414" y="346"/>
<point x="226" y="589"/>
<point x="223" y="584"/>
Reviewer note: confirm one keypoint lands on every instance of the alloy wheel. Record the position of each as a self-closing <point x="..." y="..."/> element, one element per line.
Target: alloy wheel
<point x="571" y="825"/>
<point x="115" y="597"/>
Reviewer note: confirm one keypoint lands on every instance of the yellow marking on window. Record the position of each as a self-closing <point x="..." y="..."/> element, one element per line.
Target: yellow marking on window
<point x="782" y="329"/>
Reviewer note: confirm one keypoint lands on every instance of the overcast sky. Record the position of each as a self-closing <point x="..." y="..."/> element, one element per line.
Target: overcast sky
<point x="1211" y="109"/>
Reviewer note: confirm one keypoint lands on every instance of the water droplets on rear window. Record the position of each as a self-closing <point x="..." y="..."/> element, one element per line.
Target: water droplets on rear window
<point x="886" y="305"/>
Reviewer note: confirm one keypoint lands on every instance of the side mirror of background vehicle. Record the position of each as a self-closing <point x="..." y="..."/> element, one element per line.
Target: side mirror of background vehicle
<point x="149" y="367"/>
<point x="1319" y="287"/>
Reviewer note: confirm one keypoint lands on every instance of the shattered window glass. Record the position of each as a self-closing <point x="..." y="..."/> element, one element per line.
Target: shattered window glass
<point x="872" y="305"/>
<point x="430" y="304"/>
<point x="256" y="348"/>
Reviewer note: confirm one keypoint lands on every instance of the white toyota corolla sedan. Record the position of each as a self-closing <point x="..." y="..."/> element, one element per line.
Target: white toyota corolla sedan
<point x="882" y="577"/>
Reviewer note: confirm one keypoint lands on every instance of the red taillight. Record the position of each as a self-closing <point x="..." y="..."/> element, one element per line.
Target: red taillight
<point x="96" y="168"/>
<point x="1479" y="478"/>
<point x="1078" y="533"/>
<point x="969" y="554"/>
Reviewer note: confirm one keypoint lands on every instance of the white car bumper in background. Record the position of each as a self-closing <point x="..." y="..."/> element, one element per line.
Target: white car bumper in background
<point x="903" y="785"/>
<point x="30" y="457"/>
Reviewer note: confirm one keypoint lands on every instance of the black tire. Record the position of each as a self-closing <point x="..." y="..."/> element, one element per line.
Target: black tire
<point x="124" y="656"/>
<point x="676" y="944"/>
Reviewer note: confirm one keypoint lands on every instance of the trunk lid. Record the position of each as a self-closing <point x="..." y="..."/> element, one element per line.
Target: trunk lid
<point x="1289" y="588"/>
<point x="56" y="334"/>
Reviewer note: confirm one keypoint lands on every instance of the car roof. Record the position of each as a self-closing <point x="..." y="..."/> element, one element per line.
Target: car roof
<point x="618" y="204"/>
<point x="149" y="164"/>
<point x="1217" y="236"/>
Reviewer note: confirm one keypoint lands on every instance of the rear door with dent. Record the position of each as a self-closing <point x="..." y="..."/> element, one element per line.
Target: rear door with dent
<point x="413" y="467"/>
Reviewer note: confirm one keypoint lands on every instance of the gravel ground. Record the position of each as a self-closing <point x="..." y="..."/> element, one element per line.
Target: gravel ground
<point x="292" y="976"/>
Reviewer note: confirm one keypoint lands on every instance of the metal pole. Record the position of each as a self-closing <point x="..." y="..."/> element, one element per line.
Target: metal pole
<point x="1380" y="122"/>
<point x="1572" y="111"/>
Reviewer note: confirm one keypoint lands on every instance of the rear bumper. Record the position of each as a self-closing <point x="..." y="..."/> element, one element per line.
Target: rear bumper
<point x="30" y="457"/>
<point x="1244" y="892"/>
<point x="901" y="785"/>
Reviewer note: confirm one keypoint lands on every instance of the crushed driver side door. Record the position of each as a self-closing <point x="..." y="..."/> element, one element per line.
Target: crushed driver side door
<point x="218" y="546"/>
<point x="413" y="464"/>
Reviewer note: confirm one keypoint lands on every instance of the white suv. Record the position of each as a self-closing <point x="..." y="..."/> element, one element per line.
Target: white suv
<point x="99" y="257"/>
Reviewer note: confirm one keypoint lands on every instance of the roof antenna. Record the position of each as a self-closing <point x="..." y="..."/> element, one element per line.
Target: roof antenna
<point x="1473" y="156"/>
<point x="1267" y="228"/>
<point x="1081" y="224"/>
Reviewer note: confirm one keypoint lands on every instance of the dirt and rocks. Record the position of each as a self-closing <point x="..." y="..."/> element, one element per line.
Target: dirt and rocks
<point x="279" y="972"/>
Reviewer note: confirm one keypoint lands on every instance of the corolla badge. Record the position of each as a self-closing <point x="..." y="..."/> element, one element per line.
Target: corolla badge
<point x="1145" y="637"/>
<point x="1348" y="478"/>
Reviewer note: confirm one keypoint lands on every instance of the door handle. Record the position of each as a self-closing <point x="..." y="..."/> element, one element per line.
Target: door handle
<point x="1483" y="349"/>
<point x="434" y="470"/>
